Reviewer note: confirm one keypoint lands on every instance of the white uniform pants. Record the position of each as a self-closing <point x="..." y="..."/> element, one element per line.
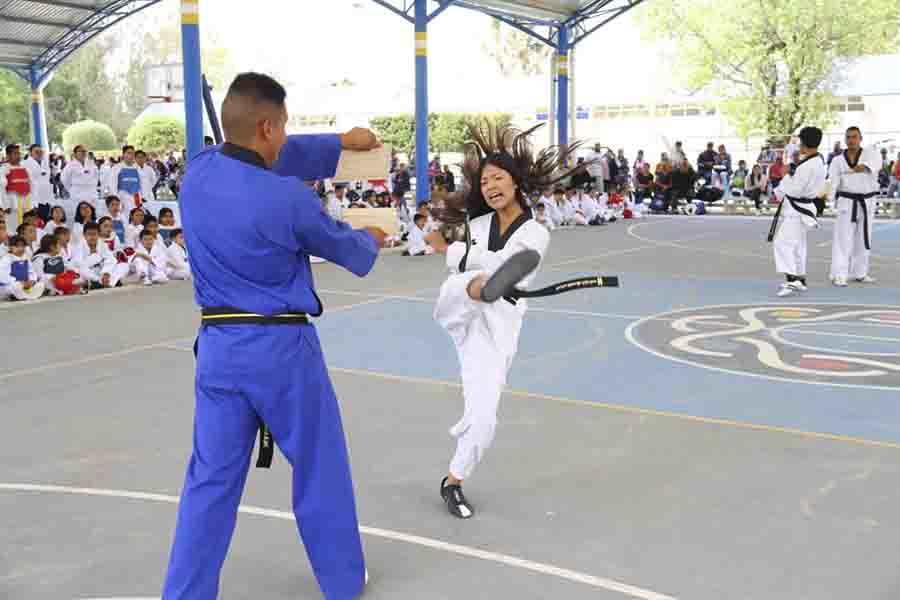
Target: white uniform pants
<point x="483" y="368"/>
<point x="173" y="273"/>
<point x="790" y="246"/>
<point x="147" y="270"/>
<point x="18" y="291"/>
<point x="849" y="257"/>
<point x="116" y="275"/>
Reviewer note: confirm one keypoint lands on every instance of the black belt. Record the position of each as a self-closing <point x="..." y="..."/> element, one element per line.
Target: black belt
<point x="231" y="316"/>
<point x="797" y="204"/>
<point x="860" y="200"/>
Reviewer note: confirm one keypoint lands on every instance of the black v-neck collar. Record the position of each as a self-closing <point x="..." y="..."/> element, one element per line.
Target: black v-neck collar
<point x="810" y="157"/>
<point x="496" y="242"/>
<point x="853" y="164"/>
<point x="244" y="155"/>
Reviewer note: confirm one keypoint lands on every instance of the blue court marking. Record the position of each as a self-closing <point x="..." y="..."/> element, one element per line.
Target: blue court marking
<point x="587" y="358"/>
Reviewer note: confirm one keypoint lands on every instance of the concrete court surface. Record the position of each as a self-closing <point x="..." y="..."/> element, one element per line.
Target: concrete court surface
<point x="688" y="435"/>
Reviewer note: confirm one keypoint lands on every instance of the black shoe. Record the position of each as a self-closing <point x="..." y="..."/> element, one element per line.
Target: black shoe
<point x="456" y="502"/>
<point x="503" y="281"/>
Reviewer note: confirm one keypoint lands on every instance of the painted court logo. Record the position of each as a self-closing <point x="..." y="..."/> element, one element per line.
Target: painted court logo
<point x="832" y="344"/>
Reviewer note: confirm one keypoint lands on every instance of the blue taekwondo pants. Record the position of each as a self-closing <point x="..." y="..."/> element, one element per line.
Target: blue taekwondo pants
<point x="277" y="372"/>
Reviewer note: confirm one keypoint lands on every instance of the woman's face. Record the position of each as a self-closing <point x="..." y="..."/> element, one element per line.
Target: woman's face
<point x="85" y="211"/>
<point x="105" y="229"/>
<point x="137" y="218"/>
<point x="58" y="215"/>
<point x="497" y="187"/>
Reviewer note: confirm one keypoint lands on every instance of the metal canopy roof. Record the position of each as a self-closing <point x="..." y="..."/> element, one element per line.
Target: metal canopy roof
<point x="581" y="17"/>
<point x="37" y="35"/>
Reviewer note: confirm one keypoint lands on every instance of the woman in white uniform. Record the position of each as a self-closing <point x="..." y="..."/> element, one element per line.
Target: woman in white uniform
<point x="499" y="171"/>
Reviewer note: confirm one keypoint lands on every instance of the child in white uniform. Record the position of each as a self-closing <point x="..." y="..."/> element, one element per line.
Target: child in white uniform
<point x="417" y="245"/>
<point x="149" y="260"/>
<point x="95" y="262"/>
<point x="500" y="171"/>
<point x="178" y="266"/>
<point x="17" y="276"/>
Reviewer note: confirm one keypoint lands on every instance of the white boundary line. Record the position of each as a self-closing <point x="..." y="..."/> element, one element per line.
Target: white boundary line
<point x="680" y="244"/>
<point x="397" y="536"/>
<point x="629" y="335"/>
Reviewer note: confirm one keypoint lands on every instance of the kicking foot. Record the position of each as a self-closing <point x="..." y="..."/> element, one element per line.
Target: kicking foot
<point x="866" y="279"/>
<point x="503" y="281"/>
<point x="456" y="502"/>
<point x="839" y="282"/>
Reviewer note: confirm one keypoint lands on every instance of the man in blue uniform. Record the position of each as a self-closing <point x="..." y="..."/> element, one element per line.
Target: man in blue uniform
<point x="250" y="225"/>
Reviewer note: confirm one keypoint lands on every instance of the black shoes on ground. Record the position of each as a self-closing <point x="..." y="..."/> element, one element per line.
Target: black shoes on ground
<point x="456" y="501"/>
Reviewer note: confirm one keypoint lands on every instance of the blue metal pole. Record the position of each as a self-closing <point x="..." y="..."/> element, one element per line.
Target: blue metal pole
<point x="38" y="130"/>
<point x="562" y="82"/>
<point x="423" y="191"/>
<point x="193" y="91"/>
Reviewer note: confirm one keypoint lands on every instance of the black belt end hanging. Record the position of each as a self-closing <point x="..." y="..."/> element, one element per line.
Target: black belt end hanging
<point x="266" y="449"/>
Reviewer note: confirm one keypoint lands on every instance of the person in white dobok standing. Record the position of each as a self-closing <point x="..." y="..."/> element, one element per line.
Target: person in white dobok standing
<point x="854" y="185"/>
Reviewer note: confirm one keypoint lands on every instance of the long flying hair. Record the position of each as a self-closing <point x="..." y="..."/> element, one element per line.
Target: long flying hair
<point x="510" y="149"/>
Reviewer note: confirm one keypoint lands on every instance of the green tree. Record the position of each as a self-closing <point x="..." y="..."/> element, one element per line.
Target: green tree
<point x="514" y="51"/>
<point x="93" y="135"/>
<point x="447" y="131"/>
<point x="82" y="89"/>
<point x="774" y="62"/>
<point x="14" y="101"/>
<point x="398" y="132"/>
<point x="157" y="133"/>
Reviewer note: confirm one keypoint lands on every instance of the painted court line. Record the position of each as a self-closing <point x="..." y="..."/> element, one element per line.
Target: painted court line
<point x="89" y="359"/>
<point x="166" y="344"/>
<point x="396" y="536"/>
<point x="635" y="409"/>
<point x="681" y="245"/>
<point x="631" y="409"/>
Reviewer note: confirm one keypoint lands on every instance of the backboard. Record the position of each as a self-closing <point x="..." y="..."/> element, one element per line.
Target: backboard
<point x="164" y="82"/>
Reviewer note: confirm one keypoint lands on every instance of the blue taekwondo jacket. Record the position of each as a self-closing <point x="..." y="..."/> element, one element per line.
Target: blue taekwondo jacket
<point x="250" y="230"/>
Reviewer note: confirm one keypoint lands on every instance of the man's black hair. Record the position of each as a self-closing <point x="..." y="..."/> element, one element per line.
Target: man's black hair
<point x="810" y="137"/>
<point x="259" y="87"/>
<point x="91" y="227"/>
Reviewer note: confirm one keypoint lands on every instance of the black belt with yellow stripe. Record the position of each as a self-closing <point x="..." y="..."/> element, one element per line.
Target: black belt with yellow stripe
<point x="233" y="316"/>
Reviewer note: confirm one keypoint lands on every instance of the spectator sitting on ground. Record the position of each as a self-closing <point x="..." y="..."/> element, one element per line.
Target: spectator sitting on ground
<point x="740" y="176"/>
<point x="28" y="232"/>
<point x="755" y="186"/>
<point x="178" y="266"/>
<point x="643" y="184"/>
<point x="540" y="215"/>
<point x="18" y="279"/>
<point x="776" y="173"/>
<point x="417" y="245"/>
<point x="706" y="162"/>
<point x="683" y="179"/>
